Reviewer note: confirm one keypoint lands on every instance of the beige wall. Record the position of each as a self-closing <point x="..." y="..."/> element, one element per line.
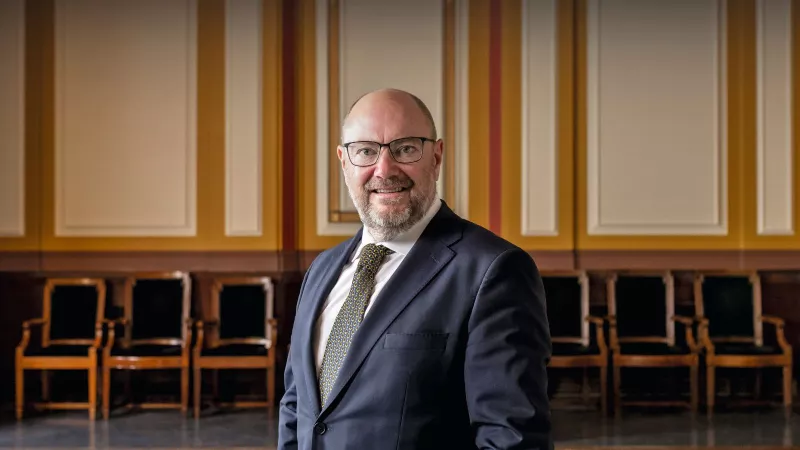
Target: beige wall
<point x="643" y="124"/>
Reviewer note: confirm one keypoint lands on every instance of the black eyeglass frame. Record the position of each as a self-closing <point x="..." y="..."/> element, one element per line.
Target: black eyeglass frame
<point x="388" y="145"/>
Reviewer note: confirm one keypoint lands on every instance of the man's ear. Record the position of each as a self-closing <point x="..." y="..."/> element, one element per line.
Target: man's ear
<point x="340" y="154"/>
<point x="438" y="150"/>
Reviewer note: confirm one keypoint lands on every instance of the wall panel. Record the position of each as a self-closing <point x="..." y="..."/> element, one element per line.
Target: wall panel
<point x="12" y="118"/>
<point x="658" y="145"/>
<point x="537" y="122"/>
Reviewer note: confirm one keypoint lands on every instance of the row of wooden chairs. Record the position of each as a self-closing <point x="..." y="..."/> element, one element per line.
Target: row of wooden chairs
<point x="153" y="330"/>
<point x="725" y="329"/>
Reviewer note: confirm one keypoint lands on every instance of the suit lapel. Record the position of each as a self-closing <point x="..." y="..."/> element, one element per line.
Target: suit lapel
<point x="318" y="296"/>
<point x="428" y="256"/>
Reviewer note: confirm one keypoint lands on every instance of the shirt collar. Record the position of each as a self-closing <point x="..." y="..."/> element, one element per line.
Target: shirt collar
<point x="403" y="243"/>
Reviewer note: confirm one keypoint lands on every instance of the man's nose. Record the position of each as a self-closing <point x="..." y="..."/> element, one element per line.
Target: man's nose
<point x="386" y="165"/>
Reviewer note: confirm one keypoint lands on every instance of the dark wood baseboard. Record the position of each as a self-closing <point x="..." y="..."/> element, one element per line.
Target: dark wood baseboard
<point x="277" y="262"/>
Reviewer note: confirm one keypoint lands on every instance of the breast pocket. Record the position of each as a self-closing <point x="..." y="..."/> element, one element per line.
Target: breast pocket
<point x="415" y="341"/>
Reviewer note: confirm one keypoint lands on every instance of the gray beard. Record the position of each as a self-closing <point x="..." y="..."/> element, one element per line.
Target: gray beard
<point x="385" y="227"/>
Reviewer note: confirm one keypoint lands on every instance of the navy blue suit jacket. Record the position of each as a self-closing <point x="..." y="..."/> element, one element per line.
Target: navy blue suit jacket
<point x="452" y="354"/>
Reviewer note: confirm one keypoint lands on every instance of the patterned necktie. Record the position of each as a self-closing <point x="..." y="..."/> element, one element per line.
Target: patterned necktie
<point x="350" y="316"/>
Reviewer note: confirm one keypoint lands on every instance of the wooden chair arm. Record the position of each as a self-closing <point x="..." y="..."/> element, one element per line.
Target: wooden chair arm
<point x="200" y="326"/>
<point x="598" y="332"/>
<point x="26" y="332"/>
<point x="688" y="323"/>
<point x="612" y="332"/>
<point x="779" y="331"/>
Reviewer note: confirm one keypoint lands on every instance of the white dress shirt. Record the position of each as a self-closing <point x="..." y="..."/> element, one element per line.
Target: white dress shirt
<point x="401" y="245"/>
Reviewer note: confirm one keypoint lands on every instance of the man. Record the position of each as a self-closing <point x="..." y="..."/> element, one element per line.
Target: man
<point x="424" y="330"/>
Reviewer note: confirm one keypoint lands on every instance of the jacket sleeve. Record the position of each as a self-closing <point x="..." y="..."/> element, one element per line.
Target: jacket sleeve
<point x="287" y="416"/>
<point x="507" y="353"/>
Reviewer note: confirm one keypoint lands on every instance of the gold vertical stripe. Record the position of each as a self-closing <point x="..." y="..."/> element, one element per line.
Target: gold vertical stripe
<point x="479" y="112"/>
<point x="334" y="121"/>
<point x="733" y="240"/>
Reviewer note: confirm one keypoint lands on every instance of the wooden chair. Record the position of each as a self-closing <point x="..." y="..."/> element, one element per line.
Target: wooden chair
<point x="728" y="306"/>
<point x="569" y="317"/>
<point x="156" y="333"/>
<point x="642" y="320"/>
<point x="240" y="333"/>
<point x="72" y="333"/>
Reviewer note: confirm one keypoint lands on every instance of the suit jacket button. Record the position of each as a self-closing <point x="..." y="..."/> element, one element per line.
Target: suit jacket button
<point x="320" y="428"/>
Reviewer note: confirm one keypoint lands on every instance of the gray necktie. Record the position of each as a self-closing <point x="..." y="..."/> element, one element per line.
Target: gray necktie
<point x="350" y="316"/>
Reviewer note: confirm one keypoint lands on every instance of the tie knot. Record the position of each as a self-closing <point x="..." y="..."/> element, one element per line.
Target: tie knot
<point x="372" y="256"/>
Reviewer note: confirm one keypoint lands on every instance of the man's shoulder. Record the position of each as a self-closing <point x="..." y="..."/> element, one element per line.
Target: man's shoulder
<point x="480" y="241"/>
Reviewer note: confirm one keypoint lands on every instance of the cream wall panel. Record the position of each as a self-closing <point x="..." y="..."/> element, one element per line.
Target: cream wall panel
<point x="125" y="140"/>
<point x="413" y="32"/>
<point x="12" y="118"/>
<point x="656" y="148"/>
<point x="243" y="149"/>
<point x="775" y="177"/>
<point x="539" y="118"/>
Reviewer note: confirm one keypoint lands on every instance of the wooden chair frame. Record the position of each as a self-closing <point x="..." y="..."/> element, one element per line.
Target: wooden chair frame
<point x="713" y="360"/>
<point x="212" y="340"/>
<point x="155" y="362"/>
<point x="619" y="359"/>
<point x="45" y="363"/>
<point x="599" y="360"/>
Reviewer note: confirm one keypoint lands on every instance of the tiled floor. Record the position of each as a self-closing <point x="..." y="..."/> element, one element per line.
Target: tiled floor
<point x="252" y="429"/>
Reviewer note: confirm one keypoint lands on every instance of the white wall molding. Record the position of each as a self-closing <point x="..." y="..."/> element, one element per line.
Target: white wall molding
<point x="540" y="118"/>
<point x="775" y="159"/>
<point x="125" y="118"/>
<point x="12" y="118"/>
<point x="658" y="123"/>
<point x="243" y="118"/>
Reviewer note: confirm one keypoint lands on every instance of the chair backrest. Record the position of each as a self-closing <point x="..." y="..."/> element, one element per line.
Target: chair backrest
<point x="72" y="310"/>
<point x="567" y="296"/>
<point x="643" y="303"/>
<point x="157" y="307"/>
<point x="243" y="307"/>
<point x="731" y="301"/>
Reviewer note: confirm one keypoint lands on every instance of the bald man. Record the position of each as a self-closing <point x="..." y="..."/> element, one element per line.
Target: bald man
<point x="423" y="330"/>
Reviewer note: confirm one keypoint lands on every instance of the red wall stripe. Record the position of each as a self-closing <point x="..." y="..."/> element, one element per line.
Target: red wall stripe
<point x="495" y="117"/>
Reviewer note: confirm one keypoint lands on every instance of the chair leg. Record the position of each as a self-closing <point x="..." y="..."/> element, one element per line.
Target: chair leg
<point x="617" y="388"/>
<point x="604" y="388"/>
<point x="710" y="390"/>
<point x="271" y="387"/>
<point x="46" y="385"/>
<point x="19" y="382"/>
<point x="693" y="380"/>
<point x="198" y="383"/>
<point x="106" y="390"/>
<point x="184" y="389"/>
<point x="92" y="392"/>
<point x="787" y="385"/>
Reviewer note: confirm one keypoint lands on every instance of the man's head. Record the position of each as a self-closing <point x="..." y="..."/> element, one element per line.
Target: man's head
<point x="391" y="186"/>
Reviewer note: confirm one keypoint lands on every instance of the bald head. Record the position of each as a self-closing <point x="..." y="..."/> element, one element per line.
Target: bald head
<point x="391" y="106"/>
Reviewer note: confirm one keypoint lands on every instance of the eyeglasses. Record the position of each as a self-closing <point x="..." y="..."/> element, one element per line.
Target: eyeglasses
<point x="405" y="150"/>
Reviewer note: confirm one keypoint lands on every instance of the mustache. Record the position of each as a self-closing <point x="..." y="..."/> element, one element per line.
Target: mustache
<point x="390" y="183"/>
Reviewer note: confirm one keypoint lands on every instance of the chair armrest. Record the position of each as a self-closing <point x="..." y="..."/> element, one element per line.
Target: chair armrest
<point x="688" y="323"/>
<point x="779" y="333"/>
<point x="612" y="332"/>
<point x="598" y="330"/>
<point x="26" y="332"/>
<point x="200" y="326"/>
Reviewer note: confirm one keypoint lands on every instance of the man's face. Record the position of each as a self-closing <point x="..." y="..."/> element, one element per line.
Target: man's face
<point x="390" y="196"/>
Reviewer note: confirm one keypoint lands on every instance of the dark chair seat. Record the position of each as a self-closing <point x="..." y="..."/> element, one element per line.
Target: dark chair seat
<point x="572" y="349"/>
<point x="235" y="350"/>
<point x="745" y="349"/>
<point x="59" y="350"/>
<point x="146" y="350"/>
<point x="652" y="348"/>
